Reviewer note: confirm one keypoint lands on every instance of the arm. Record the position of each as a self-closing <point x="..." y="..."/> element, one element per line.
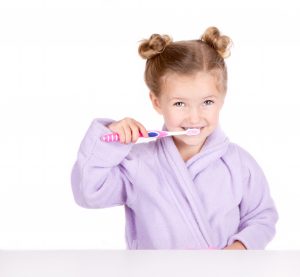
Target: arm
<point x="99" y="176"/>
<point x="258" y="215"/>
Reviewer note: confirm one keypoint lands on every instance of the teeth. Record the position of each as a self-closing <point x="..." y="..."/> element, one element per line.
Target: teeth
<point x="185" y="128"/>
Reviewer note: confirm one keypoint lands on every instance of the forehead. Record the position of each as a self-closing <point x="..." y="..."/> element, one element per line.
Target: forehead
<point x="198" y="85"/>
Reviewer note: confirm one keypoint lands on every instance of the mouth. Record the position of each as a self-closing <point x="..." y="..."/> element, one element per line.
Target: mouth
<point x="185" y="128"/>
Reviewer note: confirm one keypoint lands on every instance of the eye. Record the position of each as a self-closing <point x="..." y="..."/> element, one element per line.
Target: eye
<point x="209" y="102"/>
<point x="179" y="104"/>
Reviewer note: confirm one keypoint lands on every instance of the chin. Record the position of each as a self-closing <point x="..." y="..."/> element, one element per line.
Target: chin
<point x="191" y="140"/>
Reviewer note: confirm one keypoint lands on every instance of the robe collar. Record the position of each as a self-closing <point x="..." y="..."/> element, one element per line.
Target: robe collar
<point x="214" y="147"/>
<point x="183" y="185"/>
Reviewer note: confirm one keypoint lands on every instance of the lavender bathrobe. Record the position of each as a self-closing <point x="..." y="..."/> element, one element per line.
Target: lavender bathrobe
<point x="216" y="197"/>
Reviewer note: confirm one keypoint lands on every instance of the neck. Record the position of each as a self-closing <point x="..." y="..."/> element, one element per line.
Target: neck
<point x="187" y="151"/>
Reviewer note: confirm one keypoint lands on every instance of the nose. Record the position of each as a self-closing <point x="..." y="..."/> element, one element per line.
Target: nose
<point x="195" y="116"/>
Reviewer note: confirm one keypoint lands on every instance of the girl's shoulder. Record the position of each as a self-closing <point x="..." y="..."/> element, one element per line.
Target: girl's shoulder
<point x="236" y="149"/>
<point x="243" y="157"/>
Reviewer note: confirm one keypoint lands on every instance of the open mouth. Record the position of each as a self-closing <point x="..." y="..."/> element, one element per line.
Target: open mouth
<point x="185" y="128"/>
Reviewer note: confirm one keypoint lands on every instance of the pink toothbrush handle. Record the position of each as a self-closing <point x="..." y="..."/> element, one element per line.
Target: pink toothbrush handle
<point x="113" y="137"/>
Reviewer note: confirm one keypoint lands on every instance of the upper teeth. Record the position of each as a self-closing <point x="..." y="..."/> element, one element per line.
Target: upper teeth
<point x="185" y="128"/>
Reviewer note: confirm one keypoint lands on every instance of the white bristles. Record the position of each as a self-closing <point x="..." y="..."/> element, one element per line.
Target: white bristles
<point x="188" y="132"/>
<point x="192" y="132"/>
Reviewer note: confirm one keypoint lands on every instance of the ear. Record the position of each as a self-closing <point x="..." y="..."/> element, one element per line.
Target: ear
<point x="155" y="102"/>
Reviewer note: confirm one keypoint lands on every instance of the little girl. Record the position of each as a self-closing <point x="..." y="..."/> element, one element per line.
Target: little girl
<point x="180" y="192"/>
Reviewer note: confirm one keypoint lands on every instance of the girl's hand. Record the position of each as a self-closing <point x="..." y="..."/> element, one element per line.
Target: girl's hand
<point x="236" y="245"/>
<point x="128" y="130"/>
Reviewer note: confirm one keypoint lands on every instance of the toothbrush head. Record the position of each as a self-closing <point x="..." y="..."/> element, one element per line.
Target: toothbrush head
<point x="192" y="132"/>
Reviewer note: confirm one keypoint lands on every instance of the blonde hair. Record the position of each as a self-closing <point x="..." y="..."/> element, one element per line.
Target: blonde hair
<point x="164" y="56"/>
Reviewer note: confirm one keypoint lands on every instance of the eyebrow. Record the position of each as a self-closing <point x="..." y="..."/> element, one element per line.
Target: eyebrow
<point x="182" y="98"/>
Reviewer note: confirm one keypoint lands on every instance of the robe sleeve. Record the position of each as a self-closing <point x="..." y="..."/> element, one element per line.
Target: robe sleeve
<point x="99" y="176"/>
<point x="258" y="214"/>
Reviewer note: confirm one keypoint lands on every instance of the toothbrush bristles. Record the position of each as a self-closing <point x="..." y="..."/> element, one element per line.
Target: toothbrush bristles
<point x="192" y="132"/>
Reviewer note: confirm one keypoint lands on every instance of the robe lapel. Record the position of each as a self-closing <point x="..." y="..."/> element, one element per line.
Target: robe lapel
<point x="182" y="181"/>
<point x="214" y="148"/>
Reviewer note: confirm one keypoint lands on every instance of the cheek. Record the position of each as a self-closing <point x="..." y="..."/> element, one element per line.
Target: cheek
<point x="172" y="117"/>
<point x="214" y="119"/>
<point x="213" y="116"/>
<point x="211" y="121"/>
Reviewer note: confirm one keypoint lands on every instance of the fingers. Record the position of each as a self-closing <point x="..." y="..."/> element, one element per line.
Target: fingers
<point x="129" y="130"/>
<point x="125" y="135"/>
<point x="142" y="129"/>
<point x="135" y="133"/>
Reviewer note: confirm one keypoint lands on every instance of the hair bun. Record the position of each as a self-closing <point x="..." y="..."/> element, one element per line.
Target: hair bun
<point x="220" y="43"/>
<point x="154" y="45"/>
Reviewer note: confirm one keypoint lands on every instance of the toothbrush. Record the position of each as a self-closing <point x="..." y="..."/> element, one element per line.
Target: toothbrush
<point x="153" y="135"/>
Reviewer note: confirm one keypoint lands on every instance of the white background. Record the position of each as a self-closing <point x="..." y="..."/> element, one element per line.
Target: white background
<point x="64" y="63"/>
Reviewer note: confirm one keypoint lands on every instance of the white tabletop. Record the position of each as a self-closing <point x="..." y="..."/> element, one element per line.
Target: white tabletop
<point x="154" y="263"/>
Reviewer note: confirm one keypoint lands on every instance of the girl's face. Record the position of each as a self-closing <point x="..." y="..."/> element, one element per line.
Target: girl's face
<point x="192" y="101"/>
